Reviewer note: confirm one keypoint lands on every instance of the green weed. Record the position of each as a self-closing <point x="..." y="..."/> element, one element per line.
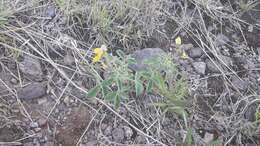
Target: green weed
<point x="158" y="78"/>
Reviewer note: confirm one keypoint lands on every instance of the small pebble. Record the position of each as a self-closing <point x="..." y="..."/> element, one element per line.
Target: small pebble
<point x="128" y="132"/>
<point x="41" y="122"/>
<point x="34" y="125"/>
<point x="195" y="52"/>
<point x="13" y="81"/>
<point x="200" y="67"/>
<point x="118" y="134"/>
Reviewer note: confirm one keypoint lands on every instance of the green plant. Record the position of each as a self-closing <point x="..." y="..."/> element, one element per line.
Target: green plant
<point x="159" y="77"/>
<point x="188" y="140"/>
<point x="5" y="13"/>
<point x="119" y="82"/>
<point x="70" y="7"/>
<point x="257" y="114"/>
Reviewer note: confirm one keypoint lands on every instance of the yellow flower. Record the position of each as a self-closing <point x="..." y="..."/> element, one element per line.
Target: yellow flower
<point x="184" y="55"/>
<point x="99" y="53"/>
<point x="178" y="41"/>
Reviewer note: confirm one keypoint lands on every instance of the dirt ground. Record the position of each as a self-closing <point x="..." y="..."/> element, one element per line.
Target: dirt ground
<point x="43" y="82"/>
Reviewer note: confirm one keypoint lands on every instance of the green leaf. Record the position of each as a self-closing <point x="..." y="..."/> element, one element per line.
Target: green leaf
<point x="120" y="53"/>
<point x="111" y="96"/>
<point x="213" y="143"/>
<point x="139" y="88"/>
<point x="105" y="90"/>
<point x="188" y="140"/>
<point x="107" y="82"/>
<point x="149" y="86"/>
<point x="117" y="101"/>
<point x="131" y="61"/>
<point x="119" y="84"/>
<point x="93" y="92"/>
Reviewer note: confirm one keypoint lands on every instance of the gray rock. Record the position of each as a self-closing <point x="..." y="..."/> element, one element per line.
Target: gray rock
<point x="211" y="67"/>
<point x="13" y="81"/>
<point x="145" y="54"/>
<point x="28" y="144"/>
<point x="51" y="12"/>
<point x="240" y="84"/>
<point x="118" y="134"/>
<point x="34" y="125"/>
<point x="68" y="59"/>
<point x="221" y="40"/>
<point x="41" y="122"/>
<point x="108" y="130"/>
<point x="200" y="67"/>
<point x="128" y="132"/>
<point x="32" y="91"/>
<point x="227" y="60"/>
<point x="140" y="139"/>
<point x="31" y="67"/>
<point x="92" y="143"/>
<point x="195" y="52"/>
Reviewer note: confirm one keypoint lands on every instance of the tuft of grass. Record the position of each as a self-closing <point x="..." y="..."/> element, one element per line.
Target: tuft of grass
<point x="122" y="22"/>
<point x="71" y="7"/>
<point x="5" y="13"/>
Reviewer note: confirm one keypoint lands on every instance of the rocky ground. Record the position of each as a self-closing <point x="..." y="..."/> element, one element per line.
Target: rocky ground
<point x="43" y="82"/>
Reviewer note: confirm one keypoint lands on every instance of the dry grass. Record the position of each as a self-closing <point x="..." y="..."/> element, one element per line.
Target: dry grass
<point x="27" y="29"/>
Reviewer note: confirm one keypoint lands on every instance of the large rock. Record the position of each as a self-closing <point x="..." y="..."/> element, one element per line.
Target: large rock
<point x="211" y="67"/>
<point x="143" y="55"/>
<point x="32" y="91"/>
<point x="31" y="67"/>
<point x="241" y="84"/>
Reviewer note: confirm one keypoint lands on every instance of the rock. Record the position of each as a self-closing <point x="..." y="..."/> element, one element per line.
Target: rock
<point x="41" y="122"/>
<point x="251" y="110"/>
<point x="221" y="40"/>
<point x="108" y="130"/>
<point x="118" y="134"/>
<point x="66" y="100"/>
<point x="32" y="91"/>
<point x="50" y="12"/>
<point x="42" y="101"/>
<point x="240" y="84"/>
<point x="200" y="67"/>
<point x="145" y="54"/>
<point x="34" y="125"/>
<point x="92" y="143"/>
<point x="28" y="144"/>
<point x="211" y="66"/>
<point x="36" y="142"/>
<point x="13" y="81"/>
<point x="227" y="60"/>
<point x="68" y="59"/>
<point x="128" y="132"/>
<point x="31" y="67"/>
<point x="37" y="129"/>
<point x="49" y="144"/>
<point x="208" y="137"/>
<point x="140" y="139"/>
<point x="195" y="52"/>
